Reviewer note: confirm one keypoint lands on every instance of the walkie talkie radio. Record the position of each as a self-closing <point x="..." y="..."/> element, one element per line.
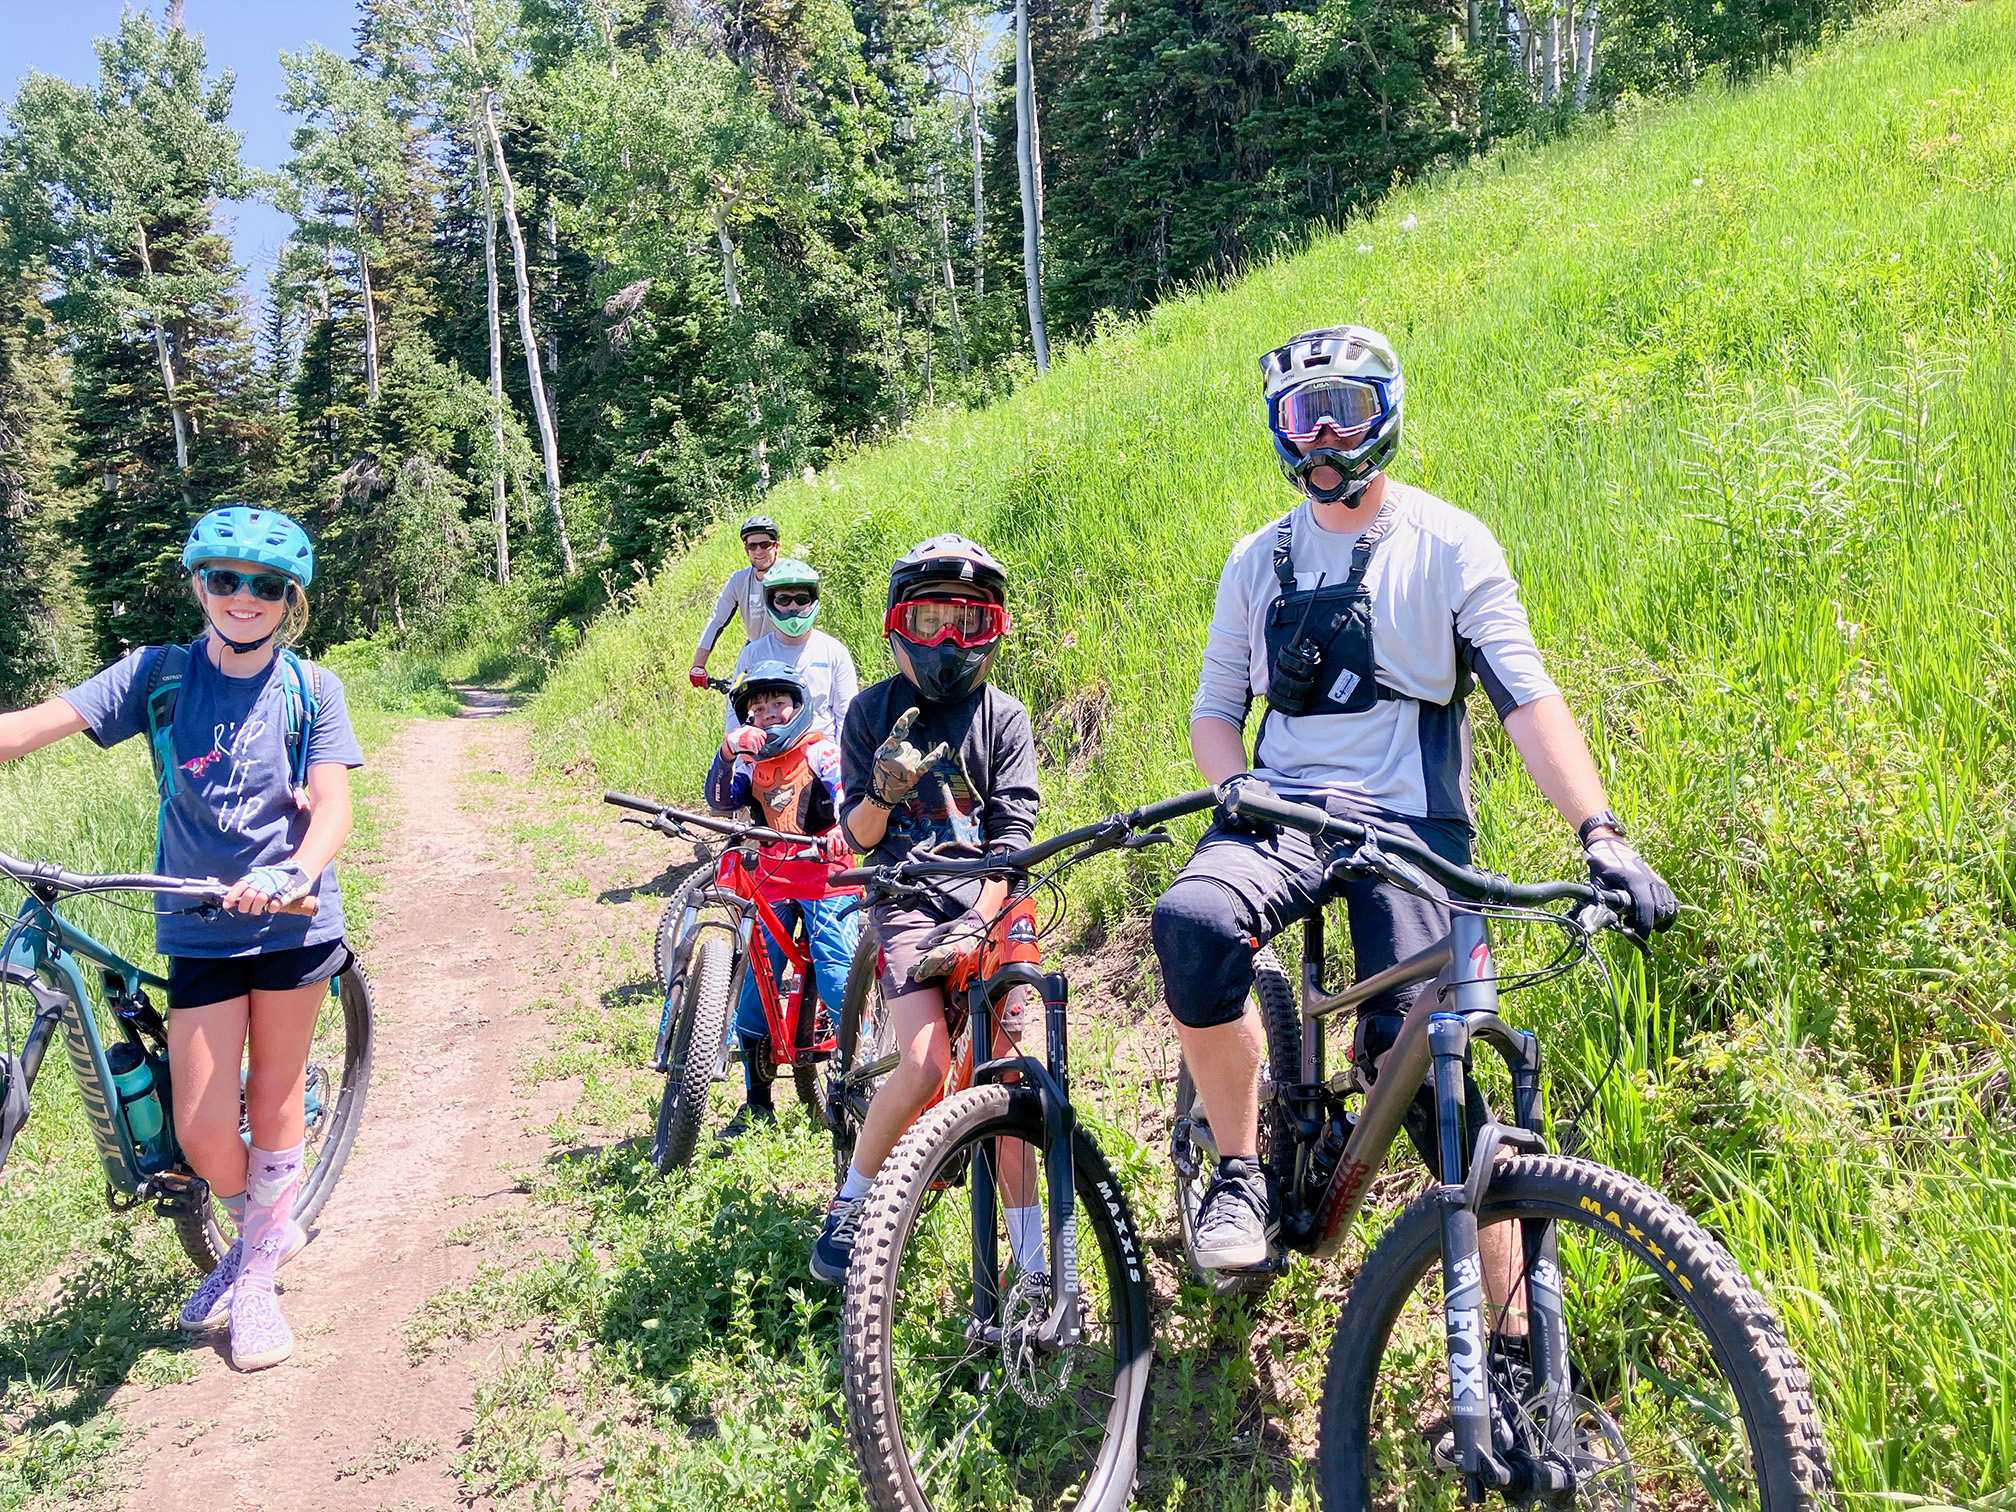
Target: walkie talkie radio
<point x="1295" y="669"/>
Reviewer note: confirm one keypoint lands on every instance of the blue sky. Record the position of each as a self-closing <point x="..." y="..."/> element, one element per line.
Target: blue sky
<point x="245" y="36"/>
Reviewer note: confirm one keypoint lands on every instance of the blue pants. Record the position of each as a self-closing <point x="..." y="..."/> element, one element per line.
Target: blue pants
<point x="832" y="939"/>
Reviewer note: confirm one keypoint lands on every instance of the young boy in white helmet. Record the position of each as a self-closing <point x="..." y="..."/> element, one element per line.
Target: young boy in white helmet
<point x="742" y="594"/>
<point x="1359" y="620"/>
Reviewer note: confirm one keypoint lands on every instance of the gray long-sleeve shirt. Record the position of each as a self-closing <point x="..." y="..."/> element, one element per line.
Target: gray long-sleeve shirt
<point x="1444" y="604"/>
<point x="742" y="594"/>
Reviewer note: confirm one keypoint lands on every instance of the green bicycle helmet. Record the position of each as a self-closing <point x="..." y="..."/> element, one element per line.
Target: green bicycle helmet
<point x="239" y="533"/>
<point x="792" y="574"/>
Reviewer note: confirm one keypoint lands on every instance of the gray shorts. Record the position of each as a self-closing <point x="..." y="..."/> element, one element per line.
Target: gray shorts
<point x="904" y="937"/>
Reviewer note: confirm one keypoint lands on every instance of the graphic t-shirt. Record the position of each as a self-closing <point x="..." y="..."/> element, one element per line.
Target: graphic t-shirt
<point x="982" y="790"/>
<point x="234" y="807"/>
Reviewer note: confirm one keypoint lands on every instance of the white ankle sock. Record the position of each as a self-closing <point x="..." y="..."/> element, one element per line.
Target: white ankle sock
<point x="856" y="1185"/>
<point x="1025" y="1239"/>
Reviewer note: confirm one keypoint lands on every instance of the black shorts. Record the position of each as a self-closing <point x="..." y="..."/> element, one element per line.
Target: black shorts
<point x="196" y="981"/>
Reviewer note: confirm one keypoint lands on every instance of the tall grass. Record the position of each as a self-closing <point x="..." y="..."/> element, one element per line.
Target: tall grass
<point x="1733" y="382"/>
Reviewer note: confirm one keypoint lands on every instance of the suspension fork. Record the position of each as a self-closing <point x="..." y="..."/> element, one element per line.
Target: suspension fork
<point x="1063" y="1326"/>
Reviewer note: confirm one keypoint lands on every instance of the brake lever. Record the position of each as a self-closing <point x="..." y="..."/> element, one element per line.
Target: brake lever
<point x="1142" y="839"/>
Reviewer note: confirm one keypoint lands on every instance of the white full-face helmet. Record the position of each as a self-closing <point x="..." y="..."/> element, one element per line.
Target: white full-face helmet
<point x="1343" y="376"/>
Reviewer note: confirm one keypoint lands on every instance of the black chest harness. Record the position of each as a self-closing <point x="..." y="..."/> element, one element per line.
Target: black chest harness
<point x="1319" y="640"/>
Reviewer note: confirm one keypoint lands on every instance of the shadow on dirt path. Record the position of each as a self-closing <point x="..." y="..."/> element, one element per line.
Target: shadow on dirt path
<point x="349" y="1422"/>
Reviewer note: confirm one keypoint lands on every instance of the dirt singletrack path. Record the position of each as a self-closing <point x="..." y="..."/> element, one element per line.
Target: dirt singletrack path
<point x="349" y="1422"/>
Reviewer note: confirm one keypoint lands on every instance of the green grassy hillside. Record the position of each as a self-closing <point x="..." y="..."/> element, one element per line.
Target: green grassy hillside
<point x="1733" y="382"/>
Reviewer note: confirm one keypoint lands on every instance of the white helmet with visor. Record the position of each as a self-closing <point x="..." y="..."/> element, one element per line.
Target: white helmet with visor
<point x="1342" y="383"/>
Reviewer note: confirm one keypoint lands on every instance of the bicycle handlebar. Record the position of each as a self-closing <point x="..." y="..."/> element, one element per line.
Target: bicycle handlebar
<point x="669" y="818"/>
<point x="35" y="875"/>
<point x="1466" y="881"/>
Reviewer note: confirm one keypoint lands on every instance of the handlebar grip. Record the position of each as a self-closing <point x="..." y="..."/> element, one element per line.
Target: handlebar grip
<point x="624" y="800"/>
<point x="1300" y="816"/>
<point x="1161" y="811"/>
<point x="854" y="876"/>
<point x="1617" y="902"/>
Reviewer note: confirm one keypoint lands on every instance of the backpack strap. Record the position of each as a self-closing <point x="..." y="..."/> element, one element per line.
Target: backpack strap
<point x="301" y="701"/>
<point x="164" y="689"/>
<point x="1284" y="544"/>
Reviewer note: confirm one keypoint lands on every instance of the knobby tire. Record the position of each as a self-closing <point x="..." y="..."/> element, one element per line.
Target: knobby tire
<point x="936" y="1153"/>
<point x="700" y="1034"/>
<point x="1682" y="1277"/>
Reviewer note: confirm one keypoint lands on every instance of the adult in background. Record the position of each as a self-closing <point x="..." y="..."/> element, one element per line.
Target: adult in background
<point x="742" y="594"/>
<point x="1360" y="619"/>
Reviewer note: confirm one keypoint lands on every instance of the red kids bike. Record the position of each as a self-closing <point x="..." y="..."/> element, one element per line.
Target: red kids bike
<point x="703" y="949"/>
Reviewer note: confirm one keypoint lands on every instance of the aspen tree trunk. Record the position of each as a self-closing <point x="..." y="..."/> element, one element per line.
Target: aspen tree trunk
<point x="727" y="244"/>
<point x="1470" y="27"/>
<point x="549" y="443"/>
<point x="979" y="198"/>
<point x="176" y="415"/>
<point x="1550" y="67"/>
<point x="500" y="518"/>
<point x="951" y="283"/>
<point x="1032" y="193"/>
<point x="1585" y="55"/>
<point x="370" y="327"/>
<point x="553" y="305"/>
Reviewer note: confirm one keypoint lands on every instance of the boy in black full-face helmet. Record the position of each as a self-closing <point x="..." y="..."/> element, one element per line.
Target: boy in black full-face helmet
<point x="934" y="756"/>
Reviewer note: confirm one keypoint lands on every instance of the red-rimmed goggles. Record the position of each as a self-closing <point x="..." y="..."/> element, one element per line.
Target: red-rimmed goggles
<point x="932" y="622"/>
<point x="1349" y="405"/>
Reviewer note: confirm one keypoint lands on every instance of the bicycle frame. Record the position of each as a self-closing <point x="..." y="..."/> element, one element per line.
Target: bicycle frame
<point x="736" y="887"/>
<point x="1435" y="1040"/>
<point x="44" y="960"/>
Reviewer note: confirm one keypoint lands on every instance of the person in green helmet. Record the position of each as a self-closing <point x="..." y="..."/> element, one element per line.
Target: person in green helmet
<point x="791" y="604"/>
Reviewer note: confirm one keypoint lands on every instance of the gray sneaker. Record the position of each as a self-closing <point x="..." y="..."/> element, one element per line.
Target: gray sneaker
<point x="1236" y="1219"/>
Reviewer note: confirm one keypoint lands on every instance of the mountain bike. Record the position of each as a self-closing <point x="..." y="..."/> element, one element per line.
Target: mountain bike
<point x="701" y="974"/>
<point x="1595" y="1347"/>
<point x="126" y="1080"/>
<point x="970" y="1381"/>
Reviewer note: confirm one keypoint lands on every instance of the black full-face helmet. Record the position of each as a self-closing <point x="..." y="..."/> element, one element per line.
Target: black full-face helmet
<point x="946" y="651"/>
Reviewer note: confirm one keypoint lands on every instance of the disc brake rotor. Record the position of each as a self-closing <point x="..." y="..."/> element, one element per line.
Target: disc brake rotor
<point x="1036" y="1374"/>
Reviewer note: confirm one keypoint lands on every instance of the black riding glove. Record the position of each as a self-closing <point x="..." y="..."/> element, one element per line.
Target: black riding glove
<point x="1230" y="823"/>
<point x="1618" y="866"/>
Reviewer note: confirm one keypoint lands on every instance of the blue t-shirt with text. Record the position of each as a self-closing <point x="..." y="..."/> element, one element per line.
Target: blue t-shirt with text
<point x="234" y="806"/>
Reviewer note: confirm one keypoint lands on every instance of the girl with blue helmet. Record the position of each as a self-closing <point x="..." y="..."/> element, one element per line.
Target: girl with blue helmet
<point x="253" y="750"/>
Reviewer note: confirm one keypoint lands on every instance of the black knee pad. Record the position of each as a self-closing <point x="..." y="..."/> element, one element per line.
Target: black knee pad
<point x="1205" y="952"/>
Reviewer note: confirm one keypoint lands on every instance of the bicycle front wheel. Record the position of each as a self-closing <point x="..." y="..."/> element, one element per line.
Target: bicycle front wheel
<point x="1682" y="1391"/>
<point x="953" y="1398"/>
<point x="339" y="1077"/>
<point x="700" y="1034"/>
<point x="867" y="1039"/>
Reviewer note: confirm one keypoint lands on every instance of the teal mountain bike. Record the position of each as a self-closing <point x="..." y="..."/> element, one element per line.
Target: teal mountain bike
<point x="117" y="1042"/>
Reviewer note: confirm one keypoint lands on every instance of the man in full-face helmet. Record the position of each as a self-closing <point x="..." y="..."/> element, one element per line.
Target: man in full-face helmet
<point x="935" y="756"/>
<point x="1359" y="621"/>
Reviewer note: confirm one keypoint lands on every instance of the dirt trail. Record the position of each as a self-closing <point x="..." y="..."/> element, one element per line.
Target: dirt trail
<point x="349" y="1422"/>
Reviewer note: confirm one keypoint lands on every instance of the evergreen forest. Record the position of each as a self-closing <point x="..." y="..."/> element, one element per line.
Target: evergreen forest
<point x="569" y="279"/>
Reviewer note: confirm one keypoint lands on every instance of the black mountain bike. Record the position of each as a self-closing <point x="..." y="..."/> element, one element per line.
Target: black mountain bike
<point x="1533" y="1327"/>
<point x="971" y="1381"/>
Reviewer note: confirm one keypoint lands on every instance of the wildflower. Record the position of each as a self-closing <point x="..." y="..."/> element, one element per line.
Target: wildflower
<point x="1697" y="183"/>
<point x="1409" y="224"/>
<point x="808" y="476"/>
<point x="1364" y="246"/>
<point x="1070" y="640"/>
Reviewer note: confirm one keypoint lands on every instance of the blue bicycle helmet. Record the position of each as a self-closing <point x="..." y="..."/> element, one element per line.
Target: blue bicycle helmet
<point x="774" y="677"/>
<point x="239" y="533"/>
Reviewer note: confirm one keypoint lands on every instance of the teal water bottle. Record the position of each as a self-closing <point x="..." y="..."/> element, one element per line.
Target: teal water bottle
<point x="135" y="1080"/>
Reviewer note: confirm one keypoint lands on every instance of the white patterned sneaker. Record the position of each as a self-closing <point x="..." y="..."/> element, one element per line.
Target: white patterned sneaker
<point x="259" y="1334"/>
<point x="210" y="1307"/>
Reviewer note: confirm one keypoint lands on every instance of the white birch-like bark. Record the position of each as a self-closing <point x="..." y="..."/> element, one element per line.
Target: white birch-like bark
<point x="979" y="195"/>
<point x="1550" y="64"/>
<point x="1585" y="55"/>
<point x="549" y="444"/>
<point x="176" y="416"/>
<point x="1032" y="192"/>
<point x="727" y="243"/>
<point x="945" y="255"/>
<point x="370" y="325"/>
<point x="500" y="518"/>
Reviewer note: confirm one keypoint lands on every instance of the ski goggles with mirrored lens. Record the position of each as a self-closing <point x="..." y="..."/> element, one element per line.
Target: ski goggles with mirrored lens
<point x="932" y="622"/>
<point x="1352" y="405"/>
